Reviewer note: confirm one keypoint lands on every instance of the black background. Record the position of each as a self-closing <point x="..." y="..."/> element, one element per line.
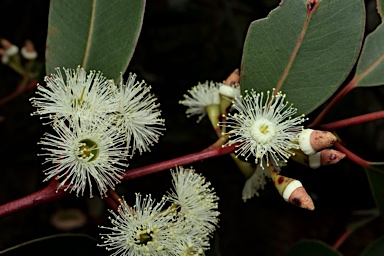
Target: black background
<point x="182" y="43"/>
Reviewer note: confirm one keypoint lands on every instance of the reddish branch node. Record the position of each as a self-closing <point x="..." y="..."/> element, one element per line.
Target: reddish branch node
<point x="312" y="6"/>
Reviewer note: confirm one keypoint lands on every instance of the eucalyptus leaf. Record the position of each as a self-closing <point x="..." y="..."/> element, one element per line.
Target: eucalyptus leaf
<point x="360" y="223"/>
<point x="375" y="175"/>
<point x="370" y="68"/>
<point x="312" y="248"/>
<point x="375" y="249"/>
<point x="97" y="35"/>
<point x="380" y="7"/>
<point x="306" y="50"/>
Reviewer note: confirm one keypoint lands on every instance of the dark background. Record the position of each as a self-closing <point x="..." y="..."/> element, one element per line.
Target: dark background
<point x="182" y="43"/>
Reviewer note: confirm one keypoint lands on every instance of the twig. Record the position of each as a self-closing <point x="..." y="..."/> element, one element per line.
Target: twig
<point x="351" y="85"/>
<point x="18" y="91"/>
<point x="191" y="158"/>
<point x="352" y="121"/>
<point x="353" y="157"/>
<point x="53" y="191"/>
<point x="47" y="194"/>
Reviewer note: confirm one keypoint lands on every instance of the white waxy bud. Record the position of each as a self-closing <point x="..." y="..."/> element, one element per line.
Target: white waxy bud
<point x="12" y="50"/>
<point x="314" y="161"/>
<point x="4" y="59"/>
<point x="292" y="186"/>
<point x="27" y="54"/>
<point x="305" y="142"/>
<point x="228" y="91"/>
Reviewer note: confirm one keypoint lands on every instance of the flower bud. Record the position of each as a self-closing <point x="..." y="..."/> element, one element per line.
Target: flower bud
<point x="9" y="48"/>
<point x="229" y="90"/>
<point x="4" y="57"/>
<point x="292" y="191"/>
<point x="233" y="78"/>
<point x="28" y="51"/>
<point x="213" y="112"/>
<point x="312" y="141"/>
<point x="325" y="157"/>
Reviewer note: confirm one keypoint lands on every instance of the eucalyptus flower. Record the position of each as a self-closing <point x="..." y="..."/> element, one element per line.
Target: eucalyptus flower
<point x="138" y="114"/>
<point x="195" y="200"/>
<point x="259" y="179"/>
<point x="143" y="229"/>
<point x="202" y="99"/>
<point x="255" y="183"/>
<point x="191" y="245"/>
<point x="265" y="127"/>
<point x="182" y="229"/>
<point x="78" y="95"/>
<point x="83" y="153"/>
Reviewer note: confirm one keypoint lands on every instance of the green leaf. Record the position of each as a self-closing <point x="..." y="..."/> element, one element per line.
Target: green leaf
<point x="360" y="223"/>
<point x="306" y="54"/>
<point x="375" y="173"/>
<point x="97" y="35"/>
<point x="58" y="245"/>
<point x="380" y="7"/>
<point x="375" y="249"/>
<point x="312" y="248"/>
<point x="370" y="68"/>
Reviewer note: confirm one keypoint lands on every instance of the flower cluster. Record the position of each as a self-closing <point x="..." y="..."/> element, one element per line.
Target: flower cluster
<point x="97" y="125"/>
<point x="266" y="131"/>
<point x="184" y="228"/>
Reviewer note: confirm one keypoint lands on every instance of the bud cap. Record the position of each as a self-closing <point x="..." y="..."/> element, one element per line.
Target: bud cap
<point x="315" y="160"/>
<point x="305" y="142"/>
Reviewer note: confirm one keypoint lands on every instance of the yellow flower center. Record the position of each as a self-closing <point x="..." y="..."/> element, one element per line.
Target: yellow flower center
<point x="263" y="130"/>
<point x="88" y="150"/>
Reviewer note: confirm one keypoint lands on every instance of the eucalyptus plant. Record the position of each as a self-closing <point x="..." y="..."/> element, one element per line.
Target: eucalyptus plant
<point x="297" y="63"/>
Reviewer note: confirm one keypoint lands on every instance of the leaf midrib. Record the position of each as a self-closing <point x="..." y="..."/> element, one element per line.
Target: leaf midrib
<point x="90" y="34"/>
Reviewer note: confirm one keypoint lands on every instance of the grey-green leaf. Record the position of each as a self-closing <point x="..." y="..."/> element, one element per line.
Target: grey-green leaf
<point x="375" y="173"/>
<point x="312" y="248"/>
<point x="370" y="68"/>
<point x="380" y="7"/>
<point x="97" y="35"/>
<point x="306" y="50"/>
<point x="375" y="249"/>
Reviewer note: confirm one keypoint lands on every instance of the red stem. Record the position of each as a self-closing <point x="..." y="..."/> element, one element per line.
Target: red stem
<point x="52" y="192"/>
<point x="18" y="91"/>
<point x="337" y="98"/>
<point x="353" y="157"/>
<point x="191" y="158"/>
<point x="114" y="197"/>
<point x="47" y="194"/>
<point x="341" y="239"/>
<point x="112" y="204"/>
<point x="353" y="120"/>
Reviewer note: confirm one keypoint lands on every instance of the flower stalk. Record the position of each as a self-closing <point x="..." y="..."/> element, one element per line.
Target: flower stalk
<point x="353" y="157"/>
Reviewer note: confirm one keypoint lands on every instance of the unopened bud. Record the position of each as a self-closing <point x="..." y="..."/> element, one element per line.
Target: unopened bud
<point x="312" y="141"/>
<point x="213" y="112"/>
<point x="28" y="51"/>
<point x="325" y="157"/>
<point x="233" y="78"/>
<point x="9" y="48"/>
<point x="292" y="191"/>
<point x="229" y="90"/>
<point x="4" y="57"/>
